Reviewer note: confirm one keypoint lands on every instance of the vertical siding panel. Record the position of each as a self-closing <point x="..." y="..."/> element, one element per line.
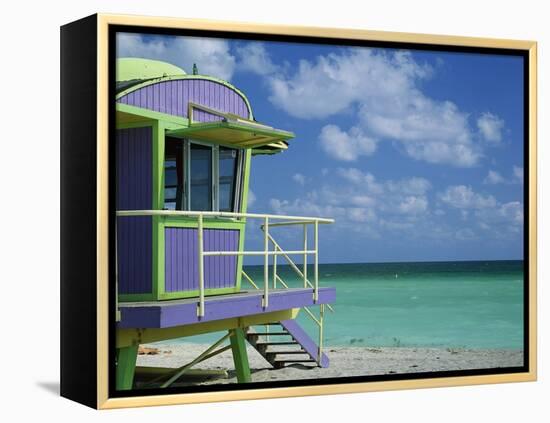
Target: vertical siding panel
<point x="167" y="260"/>
<point x="189" y="268"/>
<point x="226" y="260"/>
<point x="219" y="261"/>
<point x="201" y="97"/>
<point x="217" y="97"/>
<point x="181" y="263"/>
<point x="208" y="265"/>
<point x="132" y="256"/>
<point x="172" y="97"/>
<point x="133" y="192"/>
<point x="234" y="103"/>
<point x="227" y="265"/>
<point x="195" y="96"/>
<point x="211" y="98"/>
<point x="178" y="262"/>
<point x="195" y="256"/>
<point x="178" y="98"/>
<point x="181" y="259"/>
<point x="142" y="100"/>
<point x="162" y="98"/>
<point x="232" y="263"/>
<point x="186" y="97"/>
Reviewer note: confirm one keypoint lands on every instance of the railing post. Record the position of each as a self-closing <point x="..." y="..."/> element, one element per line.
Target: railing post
<point x="316" y="263"/>
<point x="305" y="255"/>
<point x="117" y="311"/>
<point x="266" y="263"/>
<point x="321" y="317"/>
<point x="200" y="311"/>
<point x="275" y="269"/>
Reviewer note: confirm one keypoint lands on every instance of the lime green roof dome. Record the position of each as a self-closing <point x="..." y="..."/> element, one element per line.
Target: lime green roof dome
<point x="134" y="68"/>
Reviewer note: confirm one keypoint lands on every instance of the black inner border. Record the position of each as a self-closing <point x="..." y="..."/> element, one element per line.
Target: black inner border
<point x="114" y="29"/>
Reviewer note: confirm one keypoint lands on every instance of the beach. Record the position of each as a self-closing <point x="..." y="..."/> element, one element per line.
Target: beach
<point x="390" y="318"/>
<point x="344" y="361"/>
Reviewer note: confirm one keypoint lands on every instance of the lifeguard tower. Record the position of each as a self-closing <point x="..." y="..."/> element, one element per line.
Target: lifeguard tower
<point x="184" y="145"/>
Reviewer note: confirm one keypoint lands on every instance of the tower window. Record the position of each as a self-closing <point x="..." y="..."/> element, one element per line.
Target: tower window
<point x="201" y="177"/>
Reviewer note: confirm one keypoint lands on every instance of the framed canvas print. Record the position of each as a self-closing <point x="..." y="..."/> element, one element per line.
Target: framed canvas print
<point x="254" y="211"/>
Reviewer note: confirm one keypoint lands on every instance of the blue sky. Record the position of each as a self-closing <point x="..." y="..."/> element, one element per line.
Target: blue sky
<point x="417" y="155"/>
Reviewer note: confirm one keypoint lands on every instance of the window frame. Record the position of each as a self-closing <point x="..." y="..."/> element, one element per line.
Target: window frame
<point x="215" y="175"/>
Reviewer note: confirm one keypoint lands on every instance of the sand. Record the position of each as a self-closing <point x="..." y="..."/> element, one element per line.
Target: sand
<point x="344" y="361"/>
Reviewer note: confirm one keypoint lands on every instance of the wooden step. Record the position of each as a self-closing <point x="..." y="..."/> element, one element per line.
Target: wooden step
<point x="268" y="334"/>
<point x="295" y="361"/>
<point x="286" y="352"/>
<point x="265" y="344"/>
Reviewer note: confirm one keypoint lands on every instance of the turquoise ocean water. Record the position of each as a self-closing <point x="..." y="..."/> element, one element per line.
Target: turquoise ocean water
<point x="429" y="304"/>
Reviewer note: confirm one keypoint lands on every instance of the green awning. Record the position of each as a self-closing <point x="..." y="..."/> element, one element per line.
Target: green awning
<point x="239" y="133"/>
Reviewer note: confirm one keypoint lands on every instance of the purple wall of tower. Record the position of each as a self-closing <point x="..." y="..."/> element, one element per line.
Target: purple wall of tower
<point x="134" y="192"/>
<point x="172" y="97"/>
<point x="181" y="259"/>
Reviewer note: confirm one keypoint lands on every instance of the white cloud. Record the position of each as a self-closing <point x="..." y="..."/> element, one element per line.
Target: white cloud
<point x="436" y="132"/>
<point x="251" y="198"/>
<point x="346" y="146"/>
<point x="463" y="197"/>
<point x="518" y="173"/>
<point x="362" y="200"/>
<point x="465" y="234"/>
<point x="497" y="220"/>
<point x="334" y="82"/>
<point x="384" y="89"/>
<point x="299" y="178"/>
<point x="490" y="127"/>
<point x="253" y="57"/>
<point x="212" y="55"/>
<point x="493" y="178"/>
<point x="357" y="214"/>
<point x="510" y="213"/>
<point x="413" y="205"/>
<point x="412" y="185"/>
<point x="364" y="204"/>
<point x="367" y="180"/>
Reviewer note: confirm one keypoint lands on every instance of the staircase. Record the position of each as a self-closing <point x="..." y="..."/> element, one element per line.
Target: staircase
<point x="286" y="343"/>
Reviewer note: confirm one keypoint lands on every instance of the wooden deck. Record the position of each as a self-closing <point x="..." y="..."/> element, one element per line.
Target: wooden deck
<point x="165" y="314"/>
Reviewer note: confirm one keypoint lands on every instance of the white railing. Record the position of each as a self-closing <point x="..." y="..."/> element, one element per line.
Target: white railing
<point x="266" y="252"/>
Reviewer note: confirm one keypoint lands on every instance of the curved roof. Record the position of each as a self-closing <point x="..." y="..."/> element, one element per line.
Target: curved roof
<point x="133" y="68"/>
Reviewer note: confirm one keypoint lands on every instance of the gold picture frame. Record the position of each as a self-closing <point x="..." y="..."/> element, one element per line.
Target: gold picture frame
<point x="102" y="399"/>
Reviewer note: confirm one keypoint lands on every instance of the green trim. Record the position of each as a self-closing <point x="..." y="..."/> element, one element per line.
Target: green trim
<point x="195" y="293"/>
<point x="176" y="77"/>
<point x="158" y="165"/>
<point x="170" y="121"/>
<point x="243" y="208"/>
<point x="136" y="297"/>
<point x="158" y="204"/>
<point x="182" y="222"/>
<point x="126" y="337"/>
<point x="141" y="124"/>
<point x="235" y="134"/>
<point x="240" y="357"/>
<point x="136" y="68"/>
<point x="169" y="222"/>
<point x="246" y="180"/>
<point x="125" y="366"/>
